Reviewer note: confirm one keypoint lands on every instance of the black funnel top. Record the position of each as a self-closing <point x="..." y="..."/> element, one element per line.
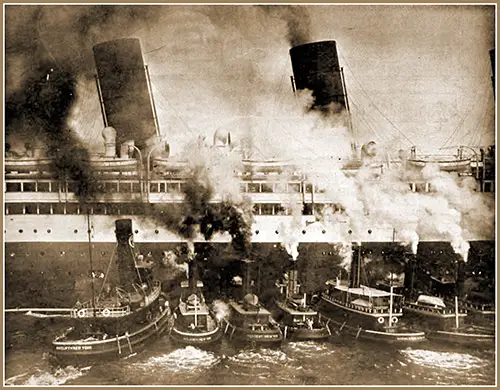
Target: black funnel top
<point x="316" y="67"/>
<point x="124" y="90"/>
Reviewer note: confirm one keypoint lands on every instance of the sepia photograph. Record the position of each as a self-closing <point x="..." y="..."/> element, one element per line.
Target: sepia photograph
<point x="249" y="194"/>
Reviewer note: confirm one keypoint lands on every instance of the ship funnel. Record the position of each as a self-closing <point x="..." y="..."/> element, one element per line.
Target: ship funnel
<point x="292" y="288"/>
<point x="316" y="68"/>
<point x="355" y="266"/>
<point x="109" y="135"/>
<point x="124" y="89"/>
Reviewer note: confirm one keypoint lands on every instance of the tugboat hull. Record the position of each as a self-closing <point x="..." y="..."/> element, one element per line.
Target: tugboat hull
<point x="248" y="336"/>
<point x="463" y="337"/>
<point x="196" y="339"/>
<point x="445" y="325"/>
<point x="346" y="321"/>
<point x="391" y="335"/>
<point x="64" y="349"/>
<point x="302" y="334"/>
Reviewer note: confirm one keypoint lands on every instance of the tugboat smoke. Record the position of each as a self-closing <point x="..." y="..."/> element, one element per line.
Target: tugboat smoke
<point x="209" y="175"/>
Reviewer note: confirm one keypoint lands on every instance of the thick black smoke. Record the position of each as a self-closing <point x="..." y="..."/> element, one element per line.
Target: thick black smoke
<point x="42" y="77"/>
<point x="297" y="21"/>
<point x="38" y="112"/>
<point x="199" y="214"/>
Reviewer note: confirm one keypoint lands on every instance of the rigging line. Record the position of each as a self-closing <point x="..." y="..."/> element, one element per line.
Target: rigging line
<point x="107" y="272"/>
<point x="478" y="135"/>
<point x="461" y="124"/>
<point x="474" y="129"/>
<point x="373" y="125"/>
<point x="463" y="119"/>
<point x="369" y="121"/>
<point x="373" y="103"/>
<point x="365" y="119"/>
<point x="279" y="94"/>
<point x="175" y="112"/>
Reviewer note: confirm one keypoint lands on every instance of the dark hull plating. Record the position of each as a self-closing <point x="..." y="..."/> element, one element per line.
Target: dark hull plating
<point x="348" y="323"/>
<point x="268" y="336"/>
<point x="468" y="337"/>
<point x="196" y="339"/>
<point x="303" y="334"/>
<point x="114" y="347"/>
<point x="57" y="273"/>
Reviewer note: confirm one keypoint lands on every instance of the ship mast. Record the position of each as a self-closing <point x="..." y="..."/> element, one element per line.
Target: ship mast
<point x="89" y="231"/>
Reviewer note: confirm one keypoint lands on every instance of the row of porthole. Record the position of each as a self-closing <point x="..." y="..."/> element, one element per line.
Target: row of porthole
<point x="323" y="231"/>
<point x="62" y="253"/>
<point x="157" y="231"/>
<point x="74" y="231"/>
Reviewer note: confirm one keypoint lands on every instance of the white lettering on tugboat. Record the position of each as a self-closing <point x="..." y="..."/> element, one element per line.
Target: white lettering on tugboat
<point x="73" y="347"/>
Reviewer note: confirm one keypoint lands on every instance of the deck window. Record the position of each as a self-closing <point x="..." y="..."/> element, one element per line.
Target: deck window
<point x="294" y="187"/>
<point x="307" y="209"/>
<point x="15" y="208"/>
<point x="99" y="208"/>
<point x="30" y="209"/>
<point x="173" y="188"/>
<point x="29" y="187"/>
<point x="319" y="208"/>
<point x="43" y="186"/>
<point x="111" y="187"/>
<point x="136" y="187"/>
<point x="253" y="187"/>
<point x="44" y="208"/>
<point x="113" y="209"/>
<point x="266" y="209"/>
<point x="71" y="186"/>
<point x="72" y="208"/>
<point x="13" y="187"/>
<point x="53" y="186"/>
<point x="124" y="187"/>
<point x="154" y="187"/>
<point x="279" y="209"/>
<point x="280" y="188"/>
<point x="57" y="208"/>
<point x="266" y="187"/>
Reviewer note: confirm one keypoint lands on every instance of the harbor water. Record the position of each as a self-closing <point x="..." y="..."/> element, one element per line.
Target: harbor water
<point x="333" y="362"/>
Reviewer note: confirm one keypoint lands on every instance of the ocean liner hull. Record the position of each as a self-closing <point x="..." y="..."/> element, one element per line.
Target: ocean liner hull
<point x="55" y="271"/>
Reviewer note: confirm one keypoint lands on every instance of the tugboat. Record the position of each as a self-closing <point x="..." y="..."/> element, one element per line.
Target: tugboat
<point x="297" y="319"/>
<point x="446" y="322"/>
<point x="364" y="312"/>
<point x="248" y="321"/>
<point x="120" y="323"/>
<point x="194" y="323"/>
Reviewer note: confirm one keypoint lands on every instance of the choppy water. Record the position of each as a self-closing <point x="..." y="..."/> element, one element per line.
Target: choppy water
<point x="334" y="362"/>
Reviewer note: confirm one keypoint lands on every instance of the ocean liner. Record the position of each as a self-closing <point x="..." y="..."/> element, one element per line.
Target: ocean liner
<point x="46" y="206"/>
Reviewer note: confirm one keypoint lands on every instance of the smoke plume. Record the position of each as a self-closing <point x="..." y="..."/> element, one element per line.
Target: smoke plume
<point x="297" y="21"/>
<point x="221" y="309"/>
<point x="212" y="202"/>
